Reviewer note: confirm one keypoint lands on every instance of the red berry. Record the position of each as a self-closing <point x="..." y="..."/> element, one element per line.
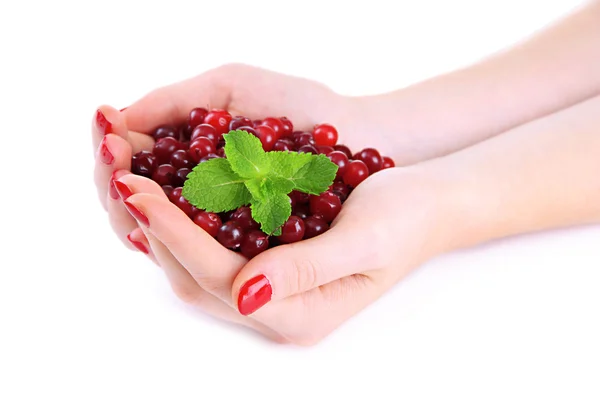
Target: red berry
<point x="254" y="243"/>
<point x="243" y="216"/>
<point x="248" y="129"/>
<point x="308" y="149"/>
<point x="325" y="135"/>
<point x="175" y="194"/>
<point x="282" y="145"/>
<point x="325" y="149"/>
<point x="163" y="175"/>
<point x="343" y="149"/>
<point x="218" y="119"/>
<point x="196" y="116"/>
<point x="341" y="160"/>
<point x="266" y="136"/>
<point x="356" y="172"/>
<point x="143" y="163"/>
<point x="185" y="205"/>
<point x="288" y="127"/>
<point x="327" y="205"/>
<point x="341" y="190"/>
<point x="292" y="231"/>
<point x="371" y="158"/>
<point x="164" y="148"/>
<point x="200" y="148"/>
<point x="303" y="139"/>
<point x="208" y="221"/>
<point x="314" y="226"/>
<point x="205" y="130"/>
<point x="230" y="235"/>
<point x="275" y="124"/>
<point x="181" y="159"/>
<point x="165" y="131"/>
<point x="387" y="163"/>
<point x="180" y="176"/>
<point x="167" y="189"/>
<point x="239" y="121"/>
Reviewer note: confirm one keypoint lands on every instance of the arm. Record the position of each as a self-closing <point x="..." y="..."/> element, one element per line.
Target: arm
<point x="542" y="175"/>
<point x="553" y="70"/>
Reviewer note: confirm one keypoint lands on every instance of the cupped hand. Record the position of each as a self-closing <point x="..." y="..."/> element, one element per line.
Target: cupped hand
<point x="299" y="292"/>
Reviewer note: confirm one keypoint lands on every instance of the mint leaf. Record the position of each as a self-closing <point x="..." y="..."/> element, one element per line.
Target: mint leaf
<point x="286" y="164"/>
<point x="255" y="187"/>
<point x="245" y="154"/>
<point x="272" y="212"/>
<point x="277" y="184"/>
<point x="214" y="187"/>
<point x="316" y="176"/>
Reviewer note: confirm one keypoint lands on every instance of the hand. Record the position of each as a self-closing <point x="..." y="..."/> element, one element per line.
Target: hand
<point x="242" y="90"/>
<point x="392" y="222"/>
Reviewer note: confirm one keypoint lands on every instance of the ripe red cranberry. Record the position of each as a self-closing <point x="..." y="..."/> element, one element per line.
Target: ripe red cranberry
<point x="208" y="157"/>
<point x="180" y="176"/>
<point x="325" y="149"/>
<point x="196" y="116"/>
<point x="288" y="127"/>
<point x="175" y="194"/>
<point x="254" y="243"/>
<point x="163" y="175"/>
<point x="341" y="160"/>
<point x="167" y="189"/>
<point x="185" y="205"/>
<point x="238" y="122"/>
<point x="343" y="149"/>
<point x="301" y="210"/>
<point x="218" y="119"/>
<point x="230" y="235"/>
<point x="243" y="216"/>
<point x="143" y="163"/>
<point x="200" y="148"/>
<point x="308" y="149"/>
<point x="325" y="135"/>
<point x="248" y="129"/>
<point x="181" y="159"/>
<point x="327" y="205"/>
<point x="164" y="148"/>
<point x="185" y="131"/>
<point x="266" y="136"/>
<point x="314" y="226"/>
<point x="275" y="124"/>
<point x="303" y="139"/>
<point x="292" y="231"/>
<point x="371" y="158"/>
<point x="341" y="190"/>
<point x="208" y="221"/>
<point x="165" y="131"/>
<point x="282" y="145"/>
<point x="356" y="172"/>
<point x="299" y="197"/>
<point x="387" y="163"/>
<point x="205" y="130"/>
<point x="256" y="123"/>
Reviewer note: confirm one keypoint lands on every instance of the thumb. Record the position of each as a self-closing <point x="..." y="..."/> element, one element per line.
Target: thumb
<point x="291" y="269"/>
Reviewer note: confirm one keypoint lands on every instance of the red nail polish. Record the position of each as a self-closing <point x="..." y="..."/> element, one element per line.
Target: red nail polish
<point x="138" y="245"/>
<point x="123" y="190"/>
<point x="103" y="125"/>
<point x="254" y="294"/>
<point x="112" y="190"/>
<point x="105" y="155"/>
<point x="137" y="214"/>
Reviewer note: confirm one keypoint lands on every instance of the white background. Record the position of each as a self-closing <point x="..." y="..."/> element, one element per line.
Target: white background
<point x="84" y="318"/>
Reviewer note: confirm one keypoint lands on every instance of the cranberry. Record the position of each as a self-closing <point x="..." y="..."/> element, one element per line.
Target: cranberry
<point x="181" y="159"/>
<point x="288" y="127"/>
<point x="143" y="163"/>
<point x="303" y="140"/>
<point x="325" y="149"/>
<point x="243" y="216"/>
<point x="343" y="149"/>
<point x="325" y="135"/>
<point x="387" y="163"/>
<point x="356" y="172"/>
<point x="205" y="130"/>
<point x="218" y="119"/>
<point x="248" y="129"/>
<point x="275" y="124"/>
<point x="254" y="243"/>
<point x="308" y="149"/>
<point x="267" y="136"/>
<point x="180" y="176"/>
<point x="164" y="148"/>
<point x="165" y="131"/>
<point x="167" y="189"/>
<point x="208" y="221"/>
<point x="341" y="160"/>
<point x="301" y="211"/>
<point x="230" y="235"/>
<point x="282" y="145"/>
<point x="238" y="122"/>
<point x="200" y="148"/>
<point x="208" y="157"/>
<point x="327" y="205"/>
<point x="341" y="190"/>
<point x="196" y="116"/>
<point x="163" y="175"/>
<point x="314" y="226"/>
<point x="371" y="157"/>
<point x="292" y="231"/>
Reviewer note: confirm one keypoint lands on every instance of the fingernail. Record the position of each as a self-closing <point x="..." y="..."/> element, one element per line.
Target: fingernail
<point x="254" y="294"/>
<point x="135" y="213"/>
<point x="123" y="190"/>
<point x="112" y="190"/>
<point x="138" y="245"/>
<point x="103" y="125"/>
<point x="105" y="155"/>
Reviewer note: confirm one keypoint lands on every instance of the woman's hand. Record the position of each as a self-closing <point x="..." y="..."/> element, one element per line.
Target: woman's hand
<point x="392" y="222"/>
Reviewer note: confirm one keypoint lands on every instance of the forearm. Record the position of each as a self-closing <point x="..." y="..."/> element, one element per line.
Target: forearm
<point x="554" y="69"/>
<point x="541" y="175"/>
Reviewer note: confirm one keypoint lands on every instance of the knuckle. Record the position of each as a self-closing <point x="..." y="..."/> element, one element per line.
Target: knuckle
<point x="305" y="275"/>
<point x="186" y="293"/>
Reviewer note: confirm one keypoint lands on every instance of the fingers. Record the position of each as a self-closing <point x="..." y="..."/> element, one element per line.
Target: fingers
<point x="284" y="271"/>
<point x="107" y="120"/>
<point x="120" y="220"/>
<point x="172" y="104"/>
<point x="114" y="153"/>
<point x="207" y="261"/>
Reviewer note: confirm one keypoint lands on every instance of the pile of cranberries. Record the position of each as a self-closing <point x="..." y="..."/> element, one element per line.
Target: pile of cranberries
<point x="179" y="149"/>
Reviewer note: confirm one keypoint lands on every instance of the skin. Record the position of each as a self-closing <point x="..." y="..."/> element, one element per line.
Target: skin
<point x="473" y="144"/>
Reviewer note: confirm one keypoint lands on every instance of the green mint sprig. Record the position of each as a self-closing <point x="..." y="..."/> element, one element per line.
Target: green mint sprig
<point x="263" y="180"/>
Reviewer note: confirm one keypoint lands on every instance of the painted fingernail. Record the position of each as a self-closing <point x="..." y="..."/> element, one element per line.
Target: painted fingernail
<point x="135" y="213"/>
<point x="138" y="245"/>
<point x="104" y="153"/>
<point x="123" y="190"/>
<point x="102" y="124"/>
<point x="112" y="190"/>
<point x="254" y="294"/>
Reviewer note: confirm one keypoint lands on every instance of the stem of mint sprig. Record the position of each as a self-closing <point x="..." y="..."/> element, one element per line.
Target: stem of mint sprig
<point x="263" y="180"/>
